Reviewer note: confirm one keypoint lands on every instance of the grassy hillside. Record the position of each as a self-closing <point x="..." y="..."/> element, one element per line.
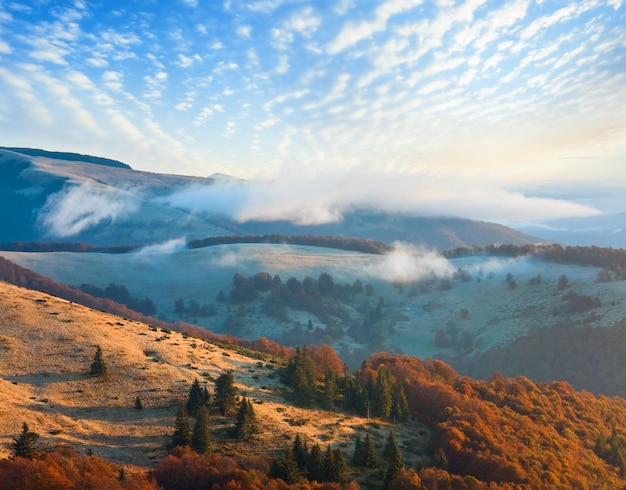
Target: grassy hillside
<point x="463" y="433"/>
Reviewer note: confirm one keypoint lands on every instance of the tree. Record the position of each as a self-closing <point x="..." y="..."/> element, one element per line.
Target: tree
<point x="390" y="444"/>
<point x="201" y="436"/>
<point x="301" y="376"/>
<point x="396" y="465"/>
<point x="99" y="366"/>
<point x="315" y="463"/>
<point x="245" y="422"/>
<point x="226" y="393"/>
<point x="182" y="429"/>
<point x="370" y="460"/>
<point x="399" y="403"/>
<point x="25" y="445"/>
<point x="198" y="397"/>
<point x="382" y="392"/>
<point x="286" y="468"/>
<point x="138" y="403"/>
<point x="563" y="282"/>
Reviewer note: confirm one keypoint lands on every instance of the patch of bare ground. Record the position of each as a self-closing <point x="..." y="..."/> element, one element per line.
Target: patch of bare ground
<point x="47" y="345"/>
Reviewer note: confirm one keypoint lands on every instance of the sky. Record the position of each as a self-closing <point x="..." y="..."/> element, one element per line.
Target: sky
<point x="510" y="110"/>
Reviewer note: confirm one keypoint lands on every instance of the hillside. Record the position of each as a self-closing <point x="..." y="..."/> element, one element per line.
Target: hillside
<point x="47" y="345"/>
<point x="52" y="196"/>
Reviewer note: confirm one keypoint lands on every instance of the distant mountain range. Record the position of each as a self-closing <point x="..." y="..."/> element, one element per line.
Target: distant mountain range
<point x="54" y="196"/>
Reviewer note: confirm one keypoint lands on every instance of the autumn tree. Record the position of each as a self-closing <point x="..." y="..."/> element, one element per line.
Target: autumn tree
<point x="25" y="444"/>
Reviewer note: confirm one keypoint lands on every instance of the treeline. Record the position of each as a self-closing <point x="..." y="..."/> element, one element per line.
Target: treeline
<point x="589" y="358"/>
<point x="119" y="293"/>
<point x="70" y="157"/>
<point x="353" y="244"/>
<point x="588" y="256"/>
<point x="39" y="246"/>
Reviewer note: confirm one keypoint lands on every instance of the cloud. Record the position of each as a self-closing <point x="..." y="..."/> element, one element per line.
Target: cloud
<point x="325" y="197"/>
<point x="407" y="264"/>
<point x="164" y="248"/>
<point x="79" y="208"/>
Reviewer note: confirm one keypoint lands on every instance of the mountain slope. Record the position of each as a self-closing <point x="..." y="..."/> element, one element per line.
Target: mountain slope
<point x="48" y="196"/>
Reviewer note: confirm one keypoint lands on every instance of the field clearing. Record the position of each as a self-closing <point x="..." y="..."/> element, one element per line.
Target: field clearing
<point x="482" y="307"/>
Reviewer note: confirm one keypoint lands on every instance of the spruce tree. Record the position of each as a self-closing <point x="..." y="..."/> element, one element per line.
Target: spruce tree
<point x="300" y="451"/>
<point x="399" y="405"/>
<point x="25" y="445"/>
<point x="315" y="463"/>
<point x="245" y="422"/>
<point x="226" y="393"/>
<point x="357" y="456"/>
<point x="182" y="429"/>
<point x="201" y="436"/>
<point x="370" y="460"/>
<point x="382" y="392"/>
<point x="99" y="366"/>
<point x="396" y="465"/>
<point x="198" y="397"/>
<point x="286" y="468"/>
<point x="390" y="443"/>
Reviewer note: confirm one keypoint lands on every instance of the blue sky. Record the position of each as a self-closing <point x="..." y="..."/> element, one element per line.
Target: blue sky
<point x="501" y="110"/>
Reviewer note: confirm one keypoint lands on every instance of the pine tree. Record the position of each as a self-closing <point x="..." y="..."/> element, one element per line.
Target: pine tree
<point x="391" y="443"/>
<point x="226" y="393"/>
<point x="182" y="429"/>
<point x="138" y="403"/>
<point x="198" y="397"/>
<point x="329" y="464"/>
<point x="25" y="445"/>
<point x="286" y="468"/>
<point x="370" y="460"/>
<point x="300" y="451"/>
<point x="331" y="388"/>
<point x="382" y="392"/>
<point x="315" y="463"/>
<point x="201" y="436"/>
<point x="245" y="422"/>
<point x="98" y="366"/>
<point x="357" y="456"/>
<point x="399" y="405"/>
<point x="396" y="465"/>
<point x="337" y="470"/>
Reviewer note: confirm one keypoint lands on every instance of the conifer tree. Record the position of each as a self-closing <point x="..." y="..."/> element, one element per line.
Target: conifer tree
<point x="338" y="469"/>
<point x="99" y="366"/>
<point x="399" y="405"/>
<point x="198" y="397"/>
<point x="245" y="423"/>
<point x="226" y="393"/>
<point x="201" y="436"/>
<point x="300" y="451"/>
<point x="357" y="456"/>
<point x="370" y="460"/>
<point x="138" y="403"/>
<point x="182" y="429"/>
<point x="315" y="463"/>
<point x="301" y="376"/>
<point x="382" y="392"/>
<point x="390" y="444"/>
<point x="331" y="388"/>
<point x="329" y="464"/>
<point x="286" y="468"/>
<point x="396" y="465"/>
<point x="25" y="445"/>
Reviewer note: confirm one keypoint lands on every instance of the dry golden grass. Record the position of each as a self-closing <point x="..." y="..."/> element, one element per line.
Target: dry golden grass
<point x="47" y="345"/>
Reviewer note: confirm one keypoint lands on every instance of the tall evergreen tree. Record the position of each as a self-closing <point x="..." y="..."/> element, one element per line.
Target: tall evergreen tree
<point x="331" y="388"/>
<point x="399" y="405"/>
<point x="390" y="444"/>
<point x="182" y="429"/>
<point x="25" y="445"/>
<point x="339" y="468"/>
<point x="396" y="465"/>
<point x="198" y="397"/>
<point x="315" y="463"/>
<point x="382" y="392"/>
<point x="370" y="460"/>
<point x="245" y="423"/>
<point x="300" y="451"/>
<point x="301" y="376"/>
<point x="226" y="393"/>
<point x="286" y="468"/>
<point x="357" y="456"/>
<point x="99" y="366"/>
<point x="201" y="441"/>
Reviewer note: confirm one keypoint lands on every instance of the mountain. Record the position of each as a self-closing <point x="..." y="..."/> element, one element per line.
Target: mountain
<point x="53" y="196"/>
<point x="607" y="230"/>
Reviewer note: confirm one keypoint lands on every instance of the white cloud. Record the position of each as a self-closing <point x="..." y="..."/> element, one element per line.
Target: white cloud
<point x="244" y="31"/>
<point x="79" y="208"/>
<point x="187" y="61"/>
